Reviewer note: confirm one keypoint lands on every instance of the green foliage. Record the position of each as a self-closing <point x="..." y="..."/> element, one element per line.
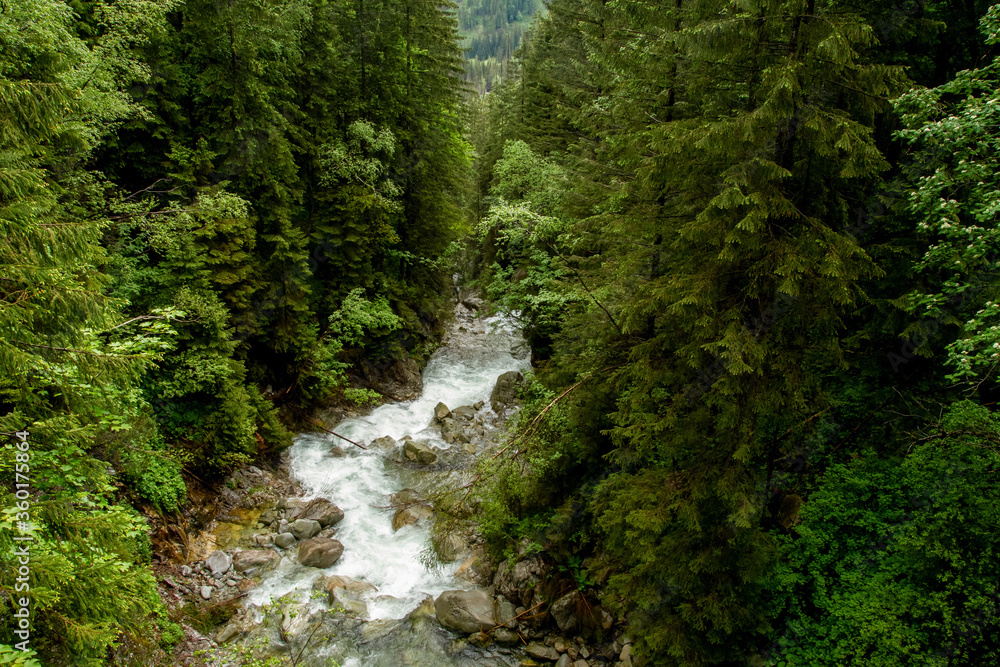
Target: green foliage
<point x="156" y="478"/>
<point x="891" y="562"/>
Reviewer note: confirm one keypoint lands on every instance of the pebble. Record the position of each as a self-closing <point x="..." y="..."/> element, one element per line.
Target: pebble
<point x="186" y="570"/>
<point x="206" y="592"/>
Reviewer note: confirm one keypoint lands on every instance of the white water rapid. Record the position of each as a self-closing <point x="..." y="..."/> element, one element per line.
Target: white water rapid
<point x="400" y="564"/>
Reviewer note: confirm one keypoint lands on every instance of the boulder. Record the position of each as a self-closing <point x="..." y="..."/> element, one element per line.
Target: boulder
<point x="441" y="412"/>
<point x="406" y="496"/>
<point x="505" y="612"/>
<point x="450" y="546"/>
<point x="341" y="598"/>
<point x="465" y="412"/>
<point x="320" y="552"/>
<point x="411" y="515"/>
<point x="219" y="563"/>
<point x="518" y="582"/>
<point x="478" y="405"/>
<point x="354" y="587"/>
<point x="284" y="540"/>
<point x="564" y="661"/>
<point x="244" y="560"/>
<point x="337" y="452"/>
<point x="465" y="611"/>
<point x="452" y="431"/>
<point x="477" y="568"/>
<point x="563" y="610"/>
<point x="420" y="453"/>
<point x="503" y="636"/>
<point x="303" y="529"/>
<point x="505" y="390"/>
<point x="542" y="652"/>
<point x="323" y="511"/>
<point x="385" y="444"/>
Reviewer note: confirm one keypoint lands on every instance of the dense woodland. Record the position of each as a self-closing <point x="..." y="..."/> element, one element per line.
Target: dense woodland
<point x="754" y="246"/>
<point x="491" y="32"/>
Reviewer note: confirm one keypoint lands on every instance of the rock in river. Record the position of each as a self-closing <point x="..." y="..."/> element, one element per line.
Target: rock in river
<point x="465" y="611"/>
<point x="419" y="453"/>
<point x="320" y="552"/>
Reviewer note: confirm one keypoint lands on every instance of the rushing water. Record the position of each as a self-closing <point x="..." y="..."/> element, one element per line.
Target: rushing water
<point x="400" y="564"/>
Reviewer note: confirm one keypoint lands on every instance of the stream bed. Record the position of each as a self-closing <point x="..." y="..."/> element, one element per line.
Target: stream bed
<point x="400" y="571"/>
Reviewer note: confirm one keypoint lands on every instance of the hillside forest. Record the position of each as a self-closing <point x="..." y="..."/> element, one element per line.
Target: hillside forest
<point x="753" y="245"/>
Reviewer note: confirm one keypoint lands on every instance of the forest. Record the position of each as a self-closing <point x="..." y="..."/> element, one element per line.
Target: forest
<point x="491" y="32"/>
<point x="753" y="244"/>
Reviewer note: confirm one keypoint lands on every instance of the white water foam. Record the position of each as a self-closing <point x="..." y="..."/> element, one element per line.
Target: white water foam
<point x="398" y="563"/>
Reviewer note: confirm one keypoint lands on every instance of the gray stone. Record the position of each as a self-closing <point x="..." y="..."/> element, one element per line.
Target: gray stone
<point x="186" y="570"/>
<point x="504" y="636"/>
<point x="342" y="598"/>
<point x="227" y="633"/>
<point x="219" y="563"/>
<point x="505" y="390"/>
<point x="320" y="552"/>
<point x="563" y="610"/>
<point x="384" y="444"/>
<point x="450" y="546"/>
<point x="244" y="560"/>
<point x="581" y="663"/>
<point x="323" y="511"/>
<point x="284" y="540"/>
<point x="564" y="661"/>
<point x="337" y="452"/>
<point x="478" y="405"/>
<point x="505" y="612"/>
<point x="406" y="496"/>
<point x="441" y="412"/>
<point x="465" y="611"/>
<point x="452" y="431"/>
<point x="420" y="453"/>
<point x="411" y="515"/>
<point x="466" y="412"/>
<point x="303" y="529"/>
<point x="206" y="592"/>
<point x="284" y="527"/>
<point x="542" y="652"/>
<point x="354" y="587"/>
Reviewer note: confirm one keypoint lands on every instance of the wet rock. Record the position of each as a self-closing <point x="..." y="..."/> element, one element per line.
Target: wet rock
<point x="227" y="633"/>
<point x="505" y="612"/>
<point x="339" y="597"/>
<point x="219" y="563"/>
<point x="564" y="661"/>
<point x="478" y="405"/>
<point x="450" y="546"/>
<point x="320" y="552"/>
<point x="563" y="611"/>
<point x="337" y="452"/>
<point x="206" y="592"/>
<point x="323" y="511"/>
<point x="505" y="390"/>
<point x="420" y="453"/>
<point x="452" y="431"/>
<point x="469" y="449"/>
<point x="581" y="663"/>
<point x="477" y="568"/>
<point x="186" y="570"/>
<point x="402" y="381"/>
<point x="465" y="611"/>
<point x="253" y="558"/>
<point x="284" y="540"/>
<point x="284" y="526"/>
<point x="303" y="529"/>
<point x="411" y="515"/>
<point x="517" y="583"/>
<point x="542" y="652"/>
<point x="295" y="509"/>
<point x="354" y="587"/>
<point x="385" y="444"/>
<point x="441" y="412"/>
<point x="504" y="636"/>
<point x="465" y="412"/>
<point x="406" y="496"/>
